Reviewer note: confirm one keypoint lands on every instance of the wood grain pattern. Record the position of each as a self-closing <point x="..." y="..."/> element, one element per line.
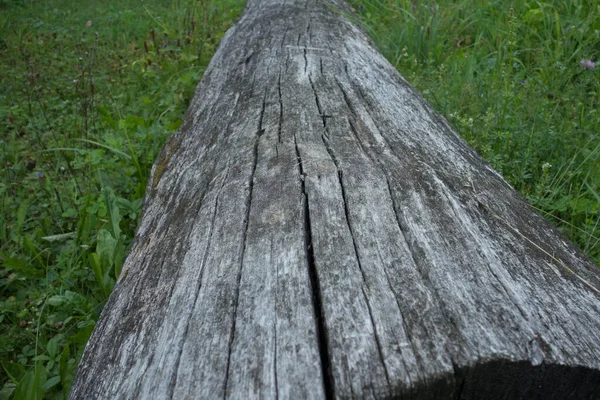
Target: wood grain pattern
<point x="316" y="230"/>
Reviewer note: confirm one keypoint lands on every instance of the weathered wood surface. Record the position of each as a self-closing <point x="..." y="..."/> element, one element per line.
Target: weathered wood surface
<point x="316" y="230"/>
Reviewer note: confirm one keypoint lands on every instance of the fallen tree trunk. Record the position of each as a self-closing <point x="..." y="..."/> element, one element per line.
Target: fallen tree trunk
<point x="316" y="230"/>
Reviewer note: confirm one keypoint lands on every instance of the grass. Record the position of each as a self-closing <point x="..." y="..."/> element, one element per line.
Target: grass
<point x="514" y="79"/>
<point x="89" y="92"/>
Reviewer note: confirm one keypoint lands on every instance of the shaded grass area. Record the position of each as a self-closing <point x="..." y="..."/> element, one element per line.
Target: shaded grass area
<point x="89" y="91"/>
<point x="519" y="81"/>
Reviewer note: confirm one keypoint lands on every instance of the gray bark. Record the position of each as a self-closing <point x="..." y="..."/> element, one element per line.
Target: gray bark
<point x="315" y="229"/>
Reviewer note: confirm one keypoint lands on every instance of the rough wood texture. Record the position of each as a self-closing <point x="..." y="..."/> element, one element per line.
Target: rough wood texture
<point x="316" y="230"/>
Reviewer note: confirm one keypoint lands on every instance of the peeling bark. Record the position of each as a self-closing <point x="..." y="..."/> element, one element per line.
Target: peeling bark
<point x="316" y="230"/>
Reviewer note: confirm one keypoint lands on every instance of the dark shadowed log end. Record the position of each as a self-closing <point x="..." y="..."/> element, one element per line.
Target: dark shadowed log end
<point x="504" y="379"/>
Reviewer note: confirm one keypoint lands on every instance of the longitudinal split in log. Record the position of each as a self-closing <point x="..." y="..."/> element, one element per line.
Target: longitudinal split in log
<point x="316" y="290"/>
<point x="316" y="230"/>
